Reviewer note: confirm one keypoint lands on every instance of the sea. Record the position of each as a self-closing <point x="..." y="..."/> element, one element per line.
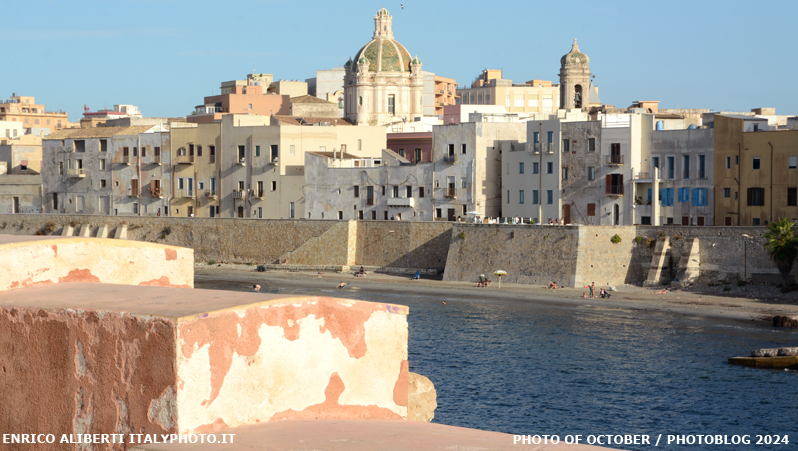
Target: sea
<point x="540" y="369"/>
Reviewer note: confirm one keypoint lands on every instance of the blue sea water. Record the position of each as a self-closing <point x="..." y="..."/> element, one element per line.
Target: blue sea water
<point x="524" y="367"/>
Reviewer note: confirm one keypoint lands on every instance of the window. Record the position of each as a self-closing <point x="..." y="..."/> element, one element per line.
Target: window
<point x="591" y="209"/>
<point x="686" y="166"/>
<point x="756" y="197"/>
<point x="418" y="154"/>
<point x="462" y="149"/>
<point x="420" y="191"/>
<point x="728" y="162"/>
<point x="291" y="150"/>
<point x="591" y="144"/>
<point x="535" y="168"/>
<point x="102" y="164"/>
<point x="726" y="192"/>
<point x="551" y="137"/>
<point x="792" y="161"/>
<point x="199" y="151"/>
<point x="736" y="159"/>
<point x="242" y="153"/>
<point x="671" y="167"/>
<point x="699" y="197"/>
<point x="521" y="196"/>
<point x="549" y="168"/>
<point x="402" y="153"/>
<point x="535" y="198"/>
<point x="212" y="152"/>
<point x="103" y="145"/>
<point x="291" y="210"/>
<point x="565" y="173"/>
<point x="383" y="190"/>
<point x="360" y="100"/>
<point x="438" y="213"/>
<point x="274" y="152"/>
<point x="395" y="191"/>
<point x="357" y="191"/>
<point x="213" y="185"/>
<point x="654" y="164"/>
<point x="549" y="197"/>
<point x="180" y="183"/>
<point x="359" y="144"/>
<point x="521" y="168"/>
<point x="684" y="194"/>
<point x="257" y="151"/>
<point x="464" y="182"/>
<point x="566" y="145"/>
<point x="756" y="164"/>
<point x="450" y="150"/>
<point x="755" y="220"/>
<point x="508" y="196"/>
<point x="591" y="173"/>
<point x="374" y="215"/>
<point x="792" y="197"/>
<point x="103" y="183"/>
<point x="666" y="195"/>
<point x="409" y="191"/>
<point x="391" y="105"/>
<point x="702" y="174"/>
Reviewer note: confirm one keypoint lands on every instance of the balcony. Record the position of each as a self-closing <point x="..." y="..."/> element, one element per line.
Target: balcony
<point x="401" y="202"/>
<point x="549" y="148"/>
<point x="535" y="149"/>
<point x="126" y="159"/>
<point x="369" y="201"/>
<point x="77" y="173"/>
<point x="184" y="159"/>
<point x="451" y="159"/>
<point x="241" y="194"/>
<point x="210" y="193"/>
<point x="613" y="160"/>
<point x="259" y="194"/>
<point x="156" y="159"/>
<point x="275" y="161"/>
<point x="450" y="193"/>
<point x="133" y="192"/>
<point x="614" y="190"/>
<point x="185" y="193"/>
<point x="156" y="192"/>
<point x="241" y="162"/>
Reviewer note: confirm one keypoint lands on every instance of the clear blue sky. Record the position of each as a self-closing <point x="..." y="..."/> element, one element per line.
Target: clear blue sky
<point x="164" y="56"/>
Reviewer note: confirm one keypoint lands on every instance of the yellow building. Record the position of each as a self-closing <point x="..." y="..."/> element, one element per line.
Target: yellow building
<point x="534" y="96"/>
<point x="32" y="115"/>
<point x="756" y="171"/>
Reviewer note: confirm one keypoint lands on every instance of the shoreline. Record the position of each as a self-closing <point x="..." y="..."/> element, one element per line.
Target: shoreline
<point x="628" y="297"/>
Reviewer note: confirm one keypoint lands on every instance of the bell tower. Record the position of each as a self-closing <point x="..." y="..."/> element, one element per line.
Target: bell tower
<point x="575" y="79"/>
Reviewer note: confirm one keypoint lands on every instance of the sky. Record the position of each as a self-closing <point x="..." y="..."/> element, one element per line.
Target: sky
<point x="165" y="56"/>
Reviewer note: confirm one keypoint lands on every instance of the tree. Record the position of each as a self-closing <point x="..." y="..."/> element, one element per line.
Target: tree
<point x="782" y="245"/>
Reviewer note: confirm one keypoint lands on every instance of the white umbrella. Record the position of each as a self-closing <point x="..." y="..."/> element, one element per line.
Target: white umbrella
<point x="500" y="273"/>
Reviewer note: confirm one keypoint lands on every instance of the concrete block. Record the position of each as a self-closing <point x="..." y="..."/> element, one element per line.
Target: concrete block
<point x="102" y="232"/>
<point x="194" y="361"/>
<point x="85" y="230"/>
<point x="121" y="232"/>
<point x="422" y="398"/>
<point x="68" y="230"/>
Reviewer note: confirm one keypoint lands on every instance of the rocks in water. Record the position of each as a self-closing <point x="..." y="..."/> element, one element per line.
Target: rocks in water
<point x="772" y="352"/>
<point x="785" y="321"/>
<point x="788" y="351"/>
<point x="421" y="398"/>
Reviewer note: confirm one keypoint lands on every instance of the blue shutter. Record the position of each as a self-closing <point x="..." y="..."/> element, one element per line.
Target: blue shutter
<point x="700" y="197"/>
<point x="649" y="195"/>
<point x="664" y="196"/>
<point x="670" y="196"/>
<point x="684" y="195"/>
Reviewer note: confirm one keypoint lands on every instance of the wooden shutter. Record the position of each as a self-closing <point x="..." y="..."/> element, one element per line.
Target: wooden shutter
<point x="609" y="183"/>
<point x="591" y="209"/>
<point x="750" y="196"/>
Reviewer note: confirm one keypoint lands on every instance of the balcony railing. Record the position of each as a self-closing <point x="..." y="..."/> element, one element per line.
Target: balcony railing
<point x="134" y="192"/>
<point x="239" y="194"/>
<point x="643" y="175"/>
<point x="450" y="192"/>
<point x="275" y="161"/>
<point x="535" y="148"/>
<point x="210" y="193"/>
<point x="259" y="194"/>
<point x="616" y="160"/>
<point x="401" y="201"/>
<point x="76" y="172"/>
<point x="548" y="148"/>
<point x="184" y="159"/>
<point x="369" y="201"/>
<point x="156" y="159"/>
<point x="615" y="190"/>
<point x="156" y="192"/>
<point x="242" y="161"/>
<point x="450" y="159"/>
<point x="186" y="193"/>
<point x="126" y="159"/>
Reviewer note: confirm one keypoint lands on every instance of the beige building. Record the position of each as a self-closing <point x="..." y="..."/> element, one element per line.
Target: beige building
<point x="445" y="93"/>
<point x="312" y="106"/>
<point x="20" y="175"/>
<point x="252" y="166"/>
<point x="291" y="88"/>
<point x="535" y="96"/>
<point x="23" y="155"/>
<point x="24" y="109"/>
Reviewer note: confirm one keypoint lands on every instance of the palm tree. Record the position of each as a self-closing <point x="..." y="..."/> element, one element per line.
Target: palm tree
<point x="782" y="245"/>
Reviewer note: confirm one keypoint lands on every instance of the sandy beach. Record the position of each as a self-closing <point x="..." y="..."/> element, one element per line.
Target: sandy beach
<point x="756" y="303"/>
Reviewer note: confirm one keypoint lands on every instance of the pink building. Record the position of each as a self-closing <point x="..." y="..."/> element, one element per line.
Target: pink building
<point x="240" y="97"/>
<point x="415" y="146"/>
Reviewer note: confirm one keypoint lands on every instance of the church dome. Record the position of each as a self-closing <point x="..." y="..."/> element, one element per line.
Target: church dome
<point x="574" y="57"/>
<point x="383" y="53"/>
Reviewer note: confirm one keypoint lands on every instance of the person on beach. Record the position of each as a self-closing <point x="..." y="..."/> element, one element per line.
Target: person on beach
<point x="552" y="285"/>
<point x="362" y="271"/>
<point x="592" y="290"/>
<point x="584" y="295"/>
<point x="663" y="291"/>
<point x="342" y="285"/>
<point x="604" y="293"/>
<point x="256" y="287"/>
<point x="551" y="221"/>
<point x="481" y="282"/>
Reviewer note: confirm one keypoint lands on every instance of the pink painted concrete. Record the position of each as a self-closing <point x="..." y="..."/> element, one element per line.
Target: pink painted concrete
<point x="410" y="142"/>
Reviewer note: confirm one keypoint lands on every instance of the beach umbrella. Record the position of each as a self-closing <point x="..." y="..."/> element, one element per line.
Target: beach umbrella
<point x="500" y="273"/>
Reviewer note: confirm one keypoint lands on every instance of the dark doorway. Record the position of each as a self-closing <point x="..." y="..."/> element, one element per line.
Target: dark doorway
<point x="566" y="213"/>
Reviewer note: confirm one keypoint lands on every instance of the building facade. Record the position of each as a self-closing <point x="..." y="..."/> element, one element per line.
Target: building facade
<point x="535" y="96"/>
<point x="25" y="110"/>
<point x="248" y="96"/>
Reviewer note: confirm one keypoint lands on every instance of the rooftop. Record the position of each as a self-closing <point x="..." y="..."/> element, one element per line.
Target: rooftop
<point x="296" y="120"/>
<point x="96" y="132"/>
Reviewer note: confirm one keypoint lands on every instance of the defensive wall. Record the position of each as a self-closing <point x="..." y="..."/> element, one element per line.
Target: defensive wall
<point x="569" y="255"/>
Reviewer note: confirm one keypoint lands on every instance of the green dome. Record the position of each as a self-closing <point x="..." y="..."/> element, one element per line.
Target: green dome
<point x="415" y="61"/>
<point x="385" y="55"/>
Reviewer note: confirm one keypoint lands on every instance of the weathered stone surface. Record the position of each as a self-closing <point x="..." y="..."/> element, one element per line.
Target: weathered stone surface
<point x="785" y="321"/>
<point x="772" y="352"/>
<point x="788" y="351"/>
<point x="422" y="398"/>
